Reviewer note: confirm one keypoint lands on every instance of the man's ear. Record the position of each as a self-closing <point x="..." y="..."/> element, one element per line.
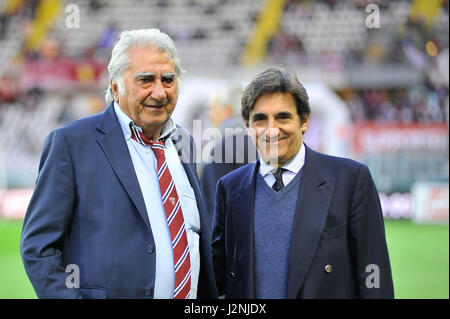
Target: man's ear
<point x="114" y="91"/>
<point x="304" y="124"/>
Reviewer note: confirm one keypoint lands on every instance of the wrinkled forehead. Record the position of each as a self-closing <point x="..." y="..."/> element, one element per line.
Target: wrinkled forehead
<point x="139" y="56"/>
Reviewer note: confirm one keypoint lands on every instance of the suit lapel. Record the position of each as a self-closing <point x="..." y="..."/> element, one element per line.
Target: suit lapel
<point x="113" y="143"/>
<point x="185" y="148"/>
<point x="311" y="214"/>
<point x="184" y="145"/>
<point x="243" y="230"/>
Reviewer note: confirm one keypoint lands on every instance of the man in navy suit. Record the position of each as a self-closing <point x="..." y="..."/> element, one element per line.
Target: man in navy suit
<point x="296" y="223"/>
<point x="118" y="210"/>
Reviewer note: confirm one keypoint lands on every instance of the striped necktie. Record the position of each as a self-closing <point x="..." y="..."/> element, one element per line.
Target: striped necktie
<point x="175" y="220"/>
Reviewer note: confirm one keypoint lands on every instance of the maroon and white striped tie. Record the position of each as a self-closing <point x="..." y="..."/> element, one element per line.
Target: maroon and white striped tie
<point x="175" y="220"/>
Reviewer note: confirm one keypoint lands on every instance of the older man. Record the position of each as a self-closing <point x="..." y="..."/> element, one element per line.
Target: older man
<point x="118" y="204"/>
<point x="297" y="223"/>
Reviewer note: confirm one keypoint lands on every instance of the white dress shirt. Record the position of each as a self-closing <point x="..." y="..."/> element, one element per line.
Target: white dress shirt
<point x="292" y="168"/>
<point x="144" y="162"/>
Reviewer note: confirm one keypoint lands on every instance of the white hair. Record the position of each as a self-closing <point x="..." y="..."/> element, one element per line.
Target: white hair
<point x="142" y="38"/>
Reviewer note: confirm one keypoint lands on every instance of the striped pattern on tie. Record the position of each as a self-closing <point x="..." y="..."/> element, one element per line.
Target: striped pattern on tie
<point x="174" y="215"/>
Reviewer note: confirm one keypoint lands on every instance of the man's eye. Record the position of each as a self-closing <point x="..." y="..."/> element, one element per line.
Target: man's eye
<point x="257" y="121"/>
<point x="145" y="80"/>
<point x="283" y="116"/>
<point x="168" y="80"/>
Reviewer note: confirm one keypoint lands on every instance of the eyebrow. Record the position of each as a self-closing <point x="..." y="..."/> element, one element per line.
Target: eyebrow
<point x="263" y="116"/>
<point x="259" y="116"/>
<point x="143" y="74"/>
<point x="287" y="114"/>
<point x="151" y="74"/>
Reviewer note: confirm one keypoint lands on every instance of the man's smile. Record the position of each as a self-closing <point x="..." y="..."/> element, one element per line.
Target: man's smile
<point x="155" y="106"/>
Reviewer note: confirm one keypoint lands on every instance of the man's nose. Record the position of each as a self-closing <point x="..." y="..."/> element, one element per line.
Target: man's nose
<point x="272" y="132"/>
<point x="272" y="125"/>
<point x="158" y="92"/>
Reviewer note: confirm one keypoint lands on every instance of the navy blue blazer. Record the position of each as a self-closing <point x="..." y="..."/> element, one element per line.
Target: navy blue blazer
<point x="87" y="209"/>
<point x="338" y="223"/>
<point x="212" y="172"/>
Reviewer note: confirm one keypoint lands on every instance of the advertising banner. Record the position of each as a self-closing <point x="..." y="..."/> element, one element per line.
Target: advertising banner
<point x="381" y="137"/>
<point x="65" y="73"/>
<point x="431" y="202"/>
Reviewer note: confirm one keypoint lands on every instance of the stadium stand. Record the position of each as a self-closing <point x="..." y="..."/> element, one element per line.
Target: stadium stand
<point x="397" y="73"/>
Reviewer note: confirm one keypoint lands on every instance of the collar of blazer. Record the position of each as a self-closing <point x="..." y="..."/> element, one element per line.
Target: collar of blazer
<point x="114" y="146"/>
<point x="181" y="138"/>
<point x="312" y="172"/>
<point x="311" y="213"/>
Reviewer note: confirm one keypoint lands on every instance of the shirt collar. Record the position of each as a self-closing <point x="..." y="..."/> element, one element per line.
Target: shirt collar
<point x="295" y="165"/>
<point x="125" y="122"/>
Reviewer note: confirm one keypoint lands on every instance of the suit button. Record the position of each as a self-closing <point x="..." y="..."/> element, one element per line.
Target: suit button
<point x="150" y="249"/>
<point x="328" y="268"/>
<point x="232" y="275"/>
<point x="148" y="291"/>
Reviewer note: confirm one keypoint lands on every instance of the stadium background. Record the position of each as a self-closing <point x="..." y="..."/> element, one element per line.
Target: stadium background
<point x="379" y="91"/>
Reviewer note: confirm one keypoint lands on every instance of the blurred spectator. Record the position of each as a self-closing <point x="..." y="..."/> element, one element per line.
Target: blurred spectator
<point x="9" y="88"/>
<point x="95" y="5"/>
<point x="286" y="47"/>
<point x="96" y="104"/>
<point x="66" y="114"/>
<point x="4" y="19"/>
<point x="49" y="49"/>
<point x="33" y="98"/>
<point x="234" y="149"/>
<point x="355" y="104"/>
<point x="7" y="11"/>
<point x="421" y="105"/>
<point x="108" y="37"/>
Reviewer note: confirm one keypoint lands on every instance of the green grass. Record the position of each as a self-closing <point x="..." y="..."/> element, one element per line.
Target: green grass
<point x="419" y="260"/>
<point x="14" y="282"/>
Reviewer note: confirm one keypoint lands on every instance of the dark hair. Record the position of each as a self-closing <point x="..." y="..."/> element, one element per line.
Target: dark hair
<point x="275" y="80"/>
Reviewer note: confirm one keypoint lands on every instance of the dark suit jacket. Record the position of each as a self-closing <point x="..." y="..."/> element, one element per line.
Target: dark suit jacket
<point x="236" y="151"/>
<point x="338" y="222"/>
<point x="87" y="209"/>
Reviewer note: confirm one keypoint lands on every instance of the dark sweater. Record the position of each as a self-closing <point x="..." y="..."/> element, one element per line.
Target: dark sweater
<point x="273" y="221"/>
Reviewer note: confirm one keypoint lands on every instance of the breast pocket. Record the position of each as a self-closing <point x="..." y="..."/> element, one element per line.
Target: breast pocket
<point x="192" y="224"/>
<point x="189" y="207"/>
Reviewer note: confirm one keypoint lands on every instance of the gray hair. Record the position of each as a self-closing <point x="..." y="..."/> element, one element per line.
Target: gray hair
<point x="230" y="95"/>
<point x="275" y="80"/>
<point x="137" y="38"/>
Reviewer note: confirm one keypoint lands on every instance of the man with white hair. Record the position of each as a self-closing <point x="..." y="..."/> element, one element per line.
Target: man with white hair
<point x="118" y="210"/>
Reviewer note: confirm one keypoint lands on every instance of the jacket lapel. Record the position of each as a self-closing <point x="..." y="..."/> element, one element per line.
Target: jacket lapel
<point x="311" y="214"/>
<point x="185" y="147"/>
<point x="243" y="214"/>
<point x="113" y="143"/>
